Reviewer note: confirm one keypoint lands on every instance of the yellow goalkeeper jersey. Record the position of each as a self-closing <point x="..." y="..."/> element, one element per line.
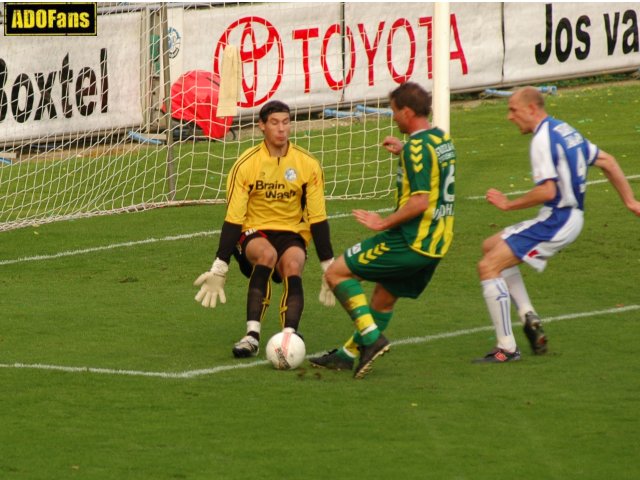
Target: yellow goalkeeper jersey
<point x="276" y="193"/>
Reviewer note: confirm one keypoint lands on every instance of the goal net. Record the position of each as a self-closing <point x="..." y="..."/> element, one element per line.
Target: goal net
<point x="127" y="119"/>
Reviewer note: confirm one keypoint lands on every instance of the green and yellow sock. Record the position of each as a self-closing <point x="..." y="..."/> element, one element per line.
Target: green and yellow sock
<point x="350" y="348"/>
<point x="351" y="295"/>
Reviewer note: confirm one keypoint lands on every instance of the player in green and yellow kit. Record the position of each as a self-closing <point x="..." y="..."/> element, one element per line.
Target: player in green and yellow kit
<point x="403" y="256"/>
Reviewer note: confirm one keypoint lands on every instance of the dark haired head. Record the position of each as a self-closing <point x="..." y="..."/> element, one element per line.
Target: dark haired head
<point x="274" y="106"/>
<point x="415" y="97"/>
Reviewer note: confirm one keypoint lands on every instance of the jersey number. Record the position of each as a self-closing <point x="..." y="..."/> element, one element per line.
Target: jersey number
<point x="446" y="195"/>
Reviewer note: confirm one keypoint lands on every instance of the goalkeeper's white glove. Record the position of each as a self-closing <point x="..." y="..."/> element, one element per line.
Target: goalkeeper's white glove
<point x="327" y="298"/>
<point x="211" y="284"/>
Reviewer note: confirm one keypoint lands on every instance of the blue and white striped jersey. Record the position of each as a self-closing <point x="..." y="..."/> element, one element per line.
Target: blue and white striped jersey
<point x="559" y="152"/>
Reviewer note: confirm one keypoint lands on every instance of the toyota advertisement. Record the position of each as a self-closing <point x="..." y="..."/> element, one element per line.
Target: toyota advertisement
<point x="311" y="55"/>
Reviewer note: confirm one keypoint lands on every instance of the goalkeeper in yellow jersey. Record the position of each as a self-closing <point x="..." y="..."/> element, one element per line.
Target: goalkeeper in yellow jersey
<point x="403" y="255"/>
<point x="275" y="206"/>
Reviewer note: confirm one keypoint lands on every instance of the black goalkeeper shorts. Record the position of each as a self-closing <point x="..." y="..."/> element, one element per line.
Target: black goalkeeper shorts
<point x="280" y="240"/>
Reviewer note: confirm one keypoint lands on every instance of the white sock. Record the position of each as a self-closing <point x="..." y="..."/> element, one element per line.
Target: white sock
<point x="253" y="326"/>
<point x="518" y="291"/>
<point x="496" y="295"/>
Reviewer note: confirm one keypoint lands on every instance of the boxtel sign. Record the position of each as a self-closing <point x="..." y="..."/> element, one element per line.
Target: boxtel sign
<point x="47" y="19"/>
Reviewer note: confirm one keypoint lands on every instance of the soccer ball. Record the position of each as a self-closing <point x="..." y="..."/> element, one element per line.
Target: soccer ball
<point x="285" y="350"/>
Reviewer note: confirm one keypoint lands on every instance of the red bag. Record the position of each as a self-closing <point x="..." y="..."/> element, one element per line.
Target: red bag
<point x="194" y="98"/>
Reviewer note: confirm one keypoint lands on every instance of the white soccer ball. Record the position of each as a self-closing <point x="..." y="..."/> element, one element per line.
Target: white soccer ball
<point x="285" y="350"/>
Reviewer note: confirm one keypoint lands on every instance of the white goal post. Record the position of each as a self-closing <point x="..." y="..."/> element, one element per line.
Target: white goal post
<point x="441" y="88"/>
<point x="83" y="130"/>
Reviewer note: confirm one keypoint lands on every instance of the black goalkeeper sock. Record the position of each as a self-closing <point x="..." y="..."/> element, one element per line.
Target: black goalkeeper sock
<point x="259" y="294"/>
<point x="292" y="302"/>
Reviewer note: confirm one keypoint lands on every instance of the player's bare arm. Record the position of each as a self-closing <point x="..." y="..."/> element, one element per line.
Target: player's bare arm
<point x="416" y="204"/>
<point x="615" y="175"/>
<point x="393" y="144"/>
<point x="536" y="196"/>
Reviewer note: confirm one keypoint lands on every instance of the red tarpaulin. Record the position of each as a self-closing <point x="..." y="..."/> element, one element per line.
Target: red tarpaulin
<point x="194" y="97"/>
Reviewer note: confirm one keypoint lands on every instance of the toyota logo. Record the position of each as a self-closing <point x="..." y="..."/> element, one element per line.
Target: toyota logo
<point x="261" y="58"/>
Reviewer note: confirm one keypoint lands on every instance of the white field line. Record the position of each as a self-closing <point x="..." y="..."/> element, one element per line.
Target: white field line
<point x="187" y="236"/>
<point x="113" y="246"/>
<point x="83" y="251"/>
<point x="237" y="366"/>
<point x="521" y="192"/>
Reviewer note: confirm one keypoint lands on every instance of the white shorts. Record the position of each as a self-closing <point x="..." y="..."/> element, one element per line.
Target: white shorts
<point x="534" y="241"/>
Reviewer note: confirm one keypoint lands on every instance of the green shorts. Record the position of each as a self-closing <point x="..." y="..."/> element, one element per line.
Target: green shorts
<point x="387" y="259"/>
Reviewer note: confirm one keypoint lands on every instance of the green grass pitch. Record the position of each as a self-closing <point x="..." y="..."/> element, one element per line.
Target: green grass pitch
<point x="111" y="370"/>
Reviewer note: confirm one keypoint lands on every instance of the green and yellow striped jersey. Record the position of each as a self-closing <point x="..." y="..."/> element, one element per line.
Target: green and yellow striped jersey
<point x="427" y="165"/>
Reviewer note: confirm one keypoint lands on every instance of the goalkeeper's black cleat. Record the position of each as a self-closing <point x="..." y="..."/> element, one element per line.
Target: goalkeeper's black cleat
<point x="368" y="353"/>
<point x="535" y="334"/>
<point x="332" y="361"/>
<point x="499" y="355"/>
<point x="246" y="347"/>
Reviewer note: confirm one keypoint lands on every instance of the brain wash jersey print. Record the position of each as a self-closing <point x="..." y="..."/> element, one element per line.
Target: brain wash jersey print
<point x="276" y="193"/>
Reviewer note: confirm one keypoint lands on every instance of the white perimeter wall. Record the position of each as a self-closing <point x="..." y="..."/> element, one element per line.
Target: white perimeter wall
<point x="294" y="52"/>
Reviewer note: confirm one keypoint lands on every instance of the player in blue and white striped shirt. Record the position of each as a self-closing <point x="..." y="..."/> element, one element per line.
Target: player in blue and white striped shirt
<point x="560" y="157"/>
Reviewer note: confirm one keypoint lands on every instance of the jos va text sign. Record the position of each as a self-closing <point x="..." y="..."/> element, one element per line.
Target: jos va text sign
<point x="50" y="19"/>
